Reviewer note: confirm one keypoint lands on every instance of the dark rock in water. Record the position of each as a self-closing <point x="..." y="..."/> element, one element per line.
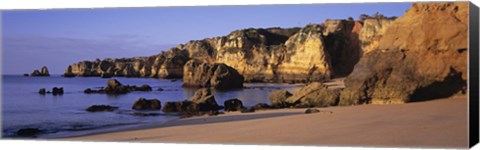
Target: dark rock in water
<point x="233" y="105"/>
<point x="215" y="75"/>
<point x="311" y="111"/>
<point x="278" y="98"/>
<point x="98" y="108"/>
<point x="160" y="89"/>
<point x="144" y="104"/>
<point x="88" y="91"/>
<point x="43" y="72"/>
<point x="57" y="91"/>
<point x="42" y="91"/>
<point x="261" y="106"/>
<point x="26" y="74"/>
<point x="28" y="132"/>
<point x="115" y="87"/>
<point x="144" y="114"/>
<point x="173" y="80"/>
<point x="144" y="88"/>
<point x="202" y="102"/>
<point x="205" y="100"/>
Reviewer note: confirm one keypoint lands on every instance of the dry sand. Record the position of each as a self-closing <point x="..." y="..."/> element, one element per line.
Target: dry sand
<point x="433" y="124"/>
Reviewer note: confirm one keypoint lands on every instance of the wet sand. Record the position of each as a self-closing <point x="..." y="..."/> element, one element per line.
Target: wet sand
<point x="430" y="124"/>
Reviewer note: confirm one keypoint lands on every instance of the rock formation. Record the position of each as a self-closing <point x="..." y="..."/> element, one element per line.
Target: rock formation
<point x="313" y="95"/>
<point x="233" y="105"/>
<point x="115" y="87"/>
<point x="167" y="64"/>
<point x="200" y="103"/>
<point x="99" y="108"/>
<point x="42" y="72"/>
<point x="57" y="90"/>
<point x="316" y="52"/>
<point x="421" y="55"/>
<point x="147" y="104"/>
<point x="278" y="98"/>
<point x="219" y="76"/>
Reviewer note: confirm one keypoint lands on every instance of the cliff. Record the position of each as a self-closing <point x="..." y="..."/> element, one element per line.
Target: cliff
<point x="316" y="52"/>
<point x="421" y="55"/>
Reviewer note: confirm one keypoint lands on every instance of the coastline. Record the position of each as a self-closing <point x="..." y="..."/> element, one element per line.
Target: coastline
<point x="434" y="123"/>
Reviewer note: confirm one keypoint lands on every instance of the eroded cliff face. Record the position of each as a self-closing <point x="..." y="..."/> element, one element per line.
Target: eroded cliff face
<point x="316" y="52"/>
<point x="371" y="33"/>
<point x="167" y="64"/>
<point x="421" y="56"/>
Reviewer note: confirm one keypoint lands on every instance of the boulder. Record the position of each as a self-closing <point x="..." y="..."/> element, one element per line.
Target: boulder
<point x="205" y="100"/>
<point x="144" y="104"/>
<point x="42" y="91"/>
<point x="57" y="90"/>
<point x="249" y="110"/>
<point x="115" y="87"/>
<point x="278" y="98"/>
<point x="315" y="94"/>
<point x="26" y="75"/>
<point x="311" y="111"/>
<point x="99" y="108"/>
<point x="421" y="56"/>
<point x="218" y="76"/>
<point x="202" y="102"/>
<point x="180" y="107"/>
<point x="233" y="105"/>
<point x="28" y="131"/>
<point x="261" y="106"/>
<point x="144" y="88"/>
<point x="144" y="114"/>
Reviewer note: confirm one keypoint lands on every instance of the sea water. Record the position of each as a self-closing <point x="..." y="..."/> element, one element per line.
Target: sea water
<point x="65" y="115"/>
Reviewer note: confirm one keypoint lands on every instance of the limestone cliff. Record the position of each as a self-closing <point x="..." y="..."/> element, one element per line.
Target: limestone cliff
<point x="421" y="55"/>
<point x="316" y="52"/>
<point x="167" y="64"/>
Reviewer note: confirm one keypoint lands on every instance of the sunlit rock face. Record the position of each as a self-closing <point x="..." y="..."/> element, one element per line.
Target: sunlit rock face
<point x="421" y="55"/>
<point x="167" y="64"/>
<point x="371" y="33"/>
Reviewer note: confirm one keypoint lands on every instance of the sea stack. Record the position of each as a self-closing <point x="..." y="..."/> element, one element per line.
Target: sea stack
<point x="42" y="72"/>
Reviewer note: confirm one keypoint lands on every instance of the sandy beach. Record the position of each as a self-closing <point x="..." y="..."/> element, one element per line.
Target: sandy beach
<point x="435" y="123"/>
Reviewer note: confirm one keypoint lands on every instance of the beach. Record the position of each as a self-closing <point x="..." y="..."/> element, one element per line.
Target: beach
<point x="428" y="124"/>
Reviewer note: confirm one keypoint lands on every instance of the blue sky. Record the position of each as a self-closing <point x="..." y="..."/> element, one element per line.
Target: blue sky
<point x="57" y="38"/>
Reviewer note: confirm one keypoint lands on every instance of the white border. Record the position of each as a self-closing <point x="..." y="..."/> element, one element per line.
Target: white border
<point x="64" y="4"/>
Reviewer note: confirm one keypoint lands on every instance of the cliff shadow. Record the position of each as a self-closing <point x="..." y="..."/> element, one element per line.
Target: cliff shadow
<point x="452" y="85"/>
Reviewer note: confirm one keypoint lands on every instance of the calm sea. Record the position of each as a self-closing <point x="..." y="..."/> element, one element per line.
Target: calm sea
<point x="65" y="115"/>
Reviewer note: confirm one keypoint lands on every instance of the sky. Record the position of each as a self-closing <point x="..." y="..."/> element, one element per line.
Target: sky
<point x="59" y="37"/>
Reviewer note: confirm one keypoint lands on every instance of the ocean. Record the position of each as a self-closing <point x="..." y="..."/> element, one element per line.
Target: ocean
<point x="65" y="115"/>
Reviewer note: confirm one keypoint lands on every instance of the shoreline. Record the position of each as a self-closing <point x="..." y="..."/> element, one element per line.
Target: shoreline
<point x="434" y="123"/>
